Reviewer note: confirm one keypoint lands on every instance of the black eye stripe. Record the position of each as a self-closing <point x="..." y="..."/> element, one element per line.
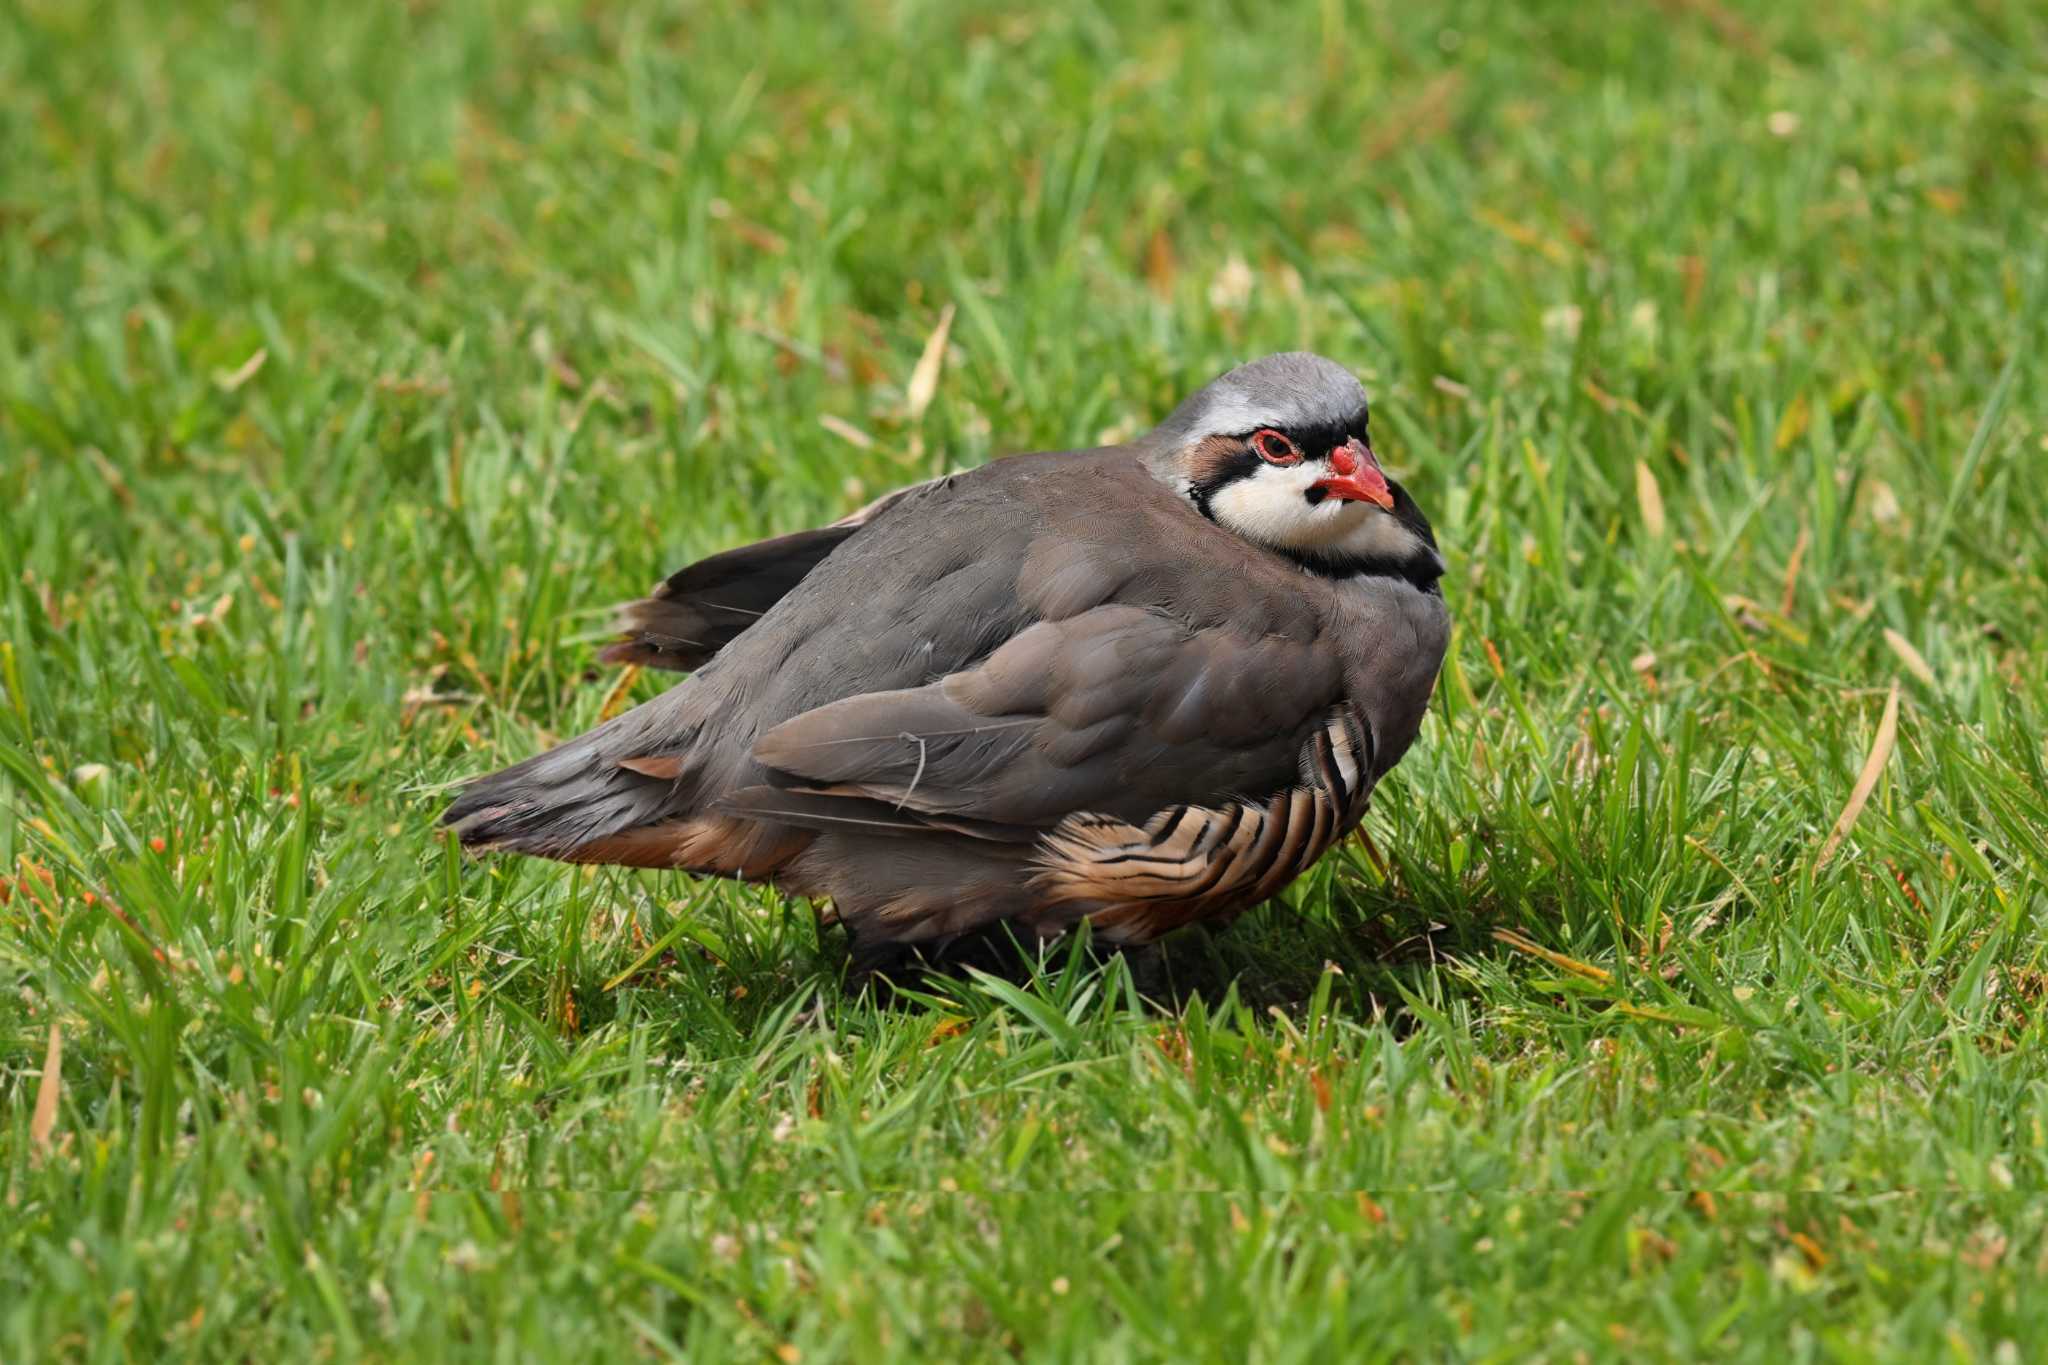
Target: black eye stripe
<point x="1319" y="439"/>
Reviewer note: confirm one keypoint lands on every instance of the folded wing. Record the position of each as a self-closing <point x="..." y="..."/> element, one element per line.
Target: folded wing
<point x="1121" y="710"/>
<point x="1164" y="772"/>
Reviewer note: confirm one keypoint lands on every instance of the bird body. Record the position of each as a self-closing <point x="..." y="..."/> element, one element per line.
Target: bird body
<point x="1143" y="685"/>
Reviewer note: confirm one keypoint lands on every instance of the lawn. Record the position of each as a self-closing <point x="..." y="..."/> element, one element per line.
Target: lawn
<point x="355" y="359"/>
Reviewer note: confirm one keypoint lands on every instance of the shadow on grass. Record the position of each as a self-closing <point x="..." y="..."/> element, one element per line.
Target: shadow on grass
<point x="1381" y="944"/>
<point x="1382" y="949"/>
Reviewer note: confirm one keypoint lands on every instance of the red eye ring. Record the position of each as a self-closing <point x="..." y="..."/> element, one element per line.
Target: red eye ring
<point x="1274" y="448"/>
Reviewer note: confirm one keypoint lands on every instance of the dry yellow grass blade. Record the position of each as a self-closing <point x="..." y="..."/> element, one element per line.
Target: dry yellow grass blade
<point x="612" y="699"/>
<point x="1651" y="499"/>
<point x="847" y="431"/>
<point x="1915" y="662"/>
<point x="1598" y="975"/>
<point x="1372" y="852"/>
<point x="1793" y="424"/>
<point x="924" y="377"/>
<point x="227" y="381"/>
<point x="44" y="1120"/>
<point x="1522" y="235"/>
<point x="1556" y="959"/>
<point x="1790" y="595"/>
<point x="1866" y="782"/>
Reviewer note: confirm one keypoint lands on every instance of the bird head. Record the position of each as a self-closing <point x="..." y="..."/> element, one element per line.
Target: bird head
<point x="1279" y="451"/>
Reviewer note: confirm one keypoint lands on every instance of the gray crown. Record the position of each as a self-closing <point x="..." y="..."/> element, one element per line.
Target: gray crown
<point x="1290" y="389"/>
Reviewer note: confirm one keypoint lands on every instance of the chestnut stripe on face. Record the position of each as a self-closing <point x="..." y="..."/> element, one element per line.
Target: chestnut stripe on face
<point x="1213" y="462"/>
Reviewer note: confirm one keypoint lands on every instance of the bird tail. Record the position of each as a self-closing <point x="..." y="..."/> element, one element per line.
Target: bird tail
<point x="697" y="611"/>
<point x="566" y="802"/>
<point x="676" y="634"/>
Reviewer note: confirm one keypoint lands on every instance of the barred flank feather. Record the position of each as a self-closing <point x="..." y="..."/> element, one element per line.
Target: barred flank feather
<point x="1193" y="863"/>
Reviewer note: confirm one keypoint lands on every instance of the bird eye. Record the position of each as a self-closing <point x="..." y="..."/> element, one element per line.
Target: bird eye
<point x="1274" y="448"/>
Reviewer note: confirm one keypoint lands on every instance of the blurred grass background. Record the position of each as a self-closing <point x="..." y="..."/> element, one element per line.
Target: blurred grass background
<point x="353" y="359"/>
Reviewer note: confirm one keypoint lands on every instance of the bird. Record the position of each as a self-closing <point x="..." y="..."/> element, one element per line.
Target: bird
<point x="1144" y="686"/>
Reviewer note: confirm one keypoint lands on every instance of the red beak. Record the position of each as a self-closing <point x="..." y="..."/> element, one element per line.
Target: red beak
<point x="1357" y="476"/>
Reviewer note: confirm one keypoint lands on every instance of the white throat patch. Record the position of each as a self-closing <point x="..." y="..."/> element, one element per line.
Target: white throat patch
<point x="1271" y="506"/>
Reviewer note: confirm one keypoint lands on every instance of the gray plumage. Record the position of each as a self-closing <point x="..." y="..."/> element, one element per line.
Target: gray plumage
<point x="1051" y="688"/>
<point x="1290" y="389"/>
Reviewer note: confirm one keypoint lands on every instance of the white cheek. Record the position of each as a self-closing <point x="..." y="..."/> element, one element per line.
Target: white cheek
<point x="1272" y="508"/>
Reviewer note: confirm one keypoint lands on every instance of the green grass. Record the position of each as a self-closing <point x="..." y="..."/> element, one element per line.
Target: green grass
<point x="353" y="358"/>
